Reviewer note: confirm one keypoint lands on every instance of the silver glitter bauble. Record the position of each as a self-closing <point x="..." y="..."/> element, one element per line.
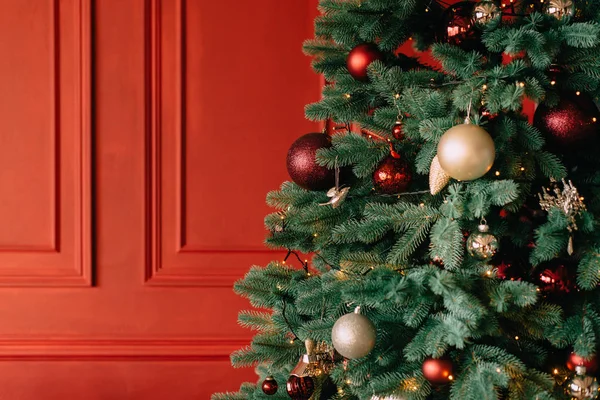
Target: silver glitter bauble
<point x="482" y="245"/>
<point x="353" y="335"/>
<point x="583" y="386"/>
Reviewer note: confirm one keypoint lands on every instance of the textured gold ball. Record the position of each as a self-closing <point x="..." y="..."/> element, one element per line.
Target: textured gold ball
<point x="466" y="152"/>
<point x="353" y="335"/>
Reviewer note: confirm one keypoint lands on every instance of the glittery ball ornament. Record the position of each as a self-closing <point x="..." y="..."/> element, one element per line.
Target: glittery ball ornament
<point x="302" y="164"/>
<point x="487" y="14"/>
<point x="392" y="175"/>
<point x="583" y="386"/>
<point x="560" y="9"/>
<point x="590" y="363"/>
<point x="438" y="370"/>
<point x="570" y="124"/>
<point x="466" y="152"/>
<point x="353" y="335"/>
<point x="482" y="245"/>
<point x="438" y="178"/>
<point x="269" y="386"/>
<point x="360" y="57"/>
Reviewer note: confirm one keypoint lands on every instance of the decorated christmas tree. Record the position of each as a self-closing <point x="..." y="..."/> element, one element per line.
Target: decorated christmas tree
<point x="441" y="243"/>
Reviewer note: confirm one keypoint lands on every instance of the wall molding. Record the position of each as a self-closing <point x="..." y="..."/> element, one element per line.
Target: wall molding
<point x="97" y="349"/>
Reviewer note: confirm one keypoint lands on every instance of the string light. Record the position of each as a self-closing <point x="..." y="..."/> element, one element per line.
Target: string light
<point x="497" y="173"/>
<point x="347" y="95"/>
<point x="553" y="82"/>
<point x="577" y="93"/>
<point x="555" y="371"/>
<point x="516" y="338"/>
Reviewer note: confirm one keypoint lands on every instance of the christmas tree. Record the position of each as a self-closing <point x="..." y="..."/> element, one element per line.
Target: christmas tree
<point x="450" y="239"/>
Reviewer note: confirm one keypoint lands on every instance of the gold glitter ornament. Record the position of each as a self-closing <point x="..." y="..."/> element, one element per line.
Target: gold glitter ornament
<point x="486" y="12"/>
<point x="482" y="245"/>
<point x="560" y="9"/>
<point x="583" y="386"/>
<point x="353" y="335"/>
<point x="438" y="178"/>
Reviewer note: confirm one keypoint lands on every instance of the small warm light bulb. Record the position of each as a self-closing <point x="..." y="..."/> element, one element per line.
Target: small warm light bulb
<point x="283" y="262"/>
<point x="555" y="371"/>
<point x="348" y="381"/>
<point x="292" y="341"/>
<point x="594" y="119"/>
<point x="347" y="95"/>
<point x="578" y="93"/>
<point x="522" y="168"/>
<point x="522" y="84"/>
<point x="484" y="87"/>
<point x="516" y="338"/>
<point x="553" y="82"/>
<point x="308" y="274"/>
<point x="450" y="377"/>
<point x="397" y="95"/>
<point x="315" y="234"/>
<point x="497" y="173"/>
<point x="489" y="273"/>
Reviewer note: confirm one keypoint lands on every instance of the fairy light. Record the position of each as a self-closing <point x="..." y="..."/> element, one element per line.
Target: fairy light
<point x="578" y="93"/>
<point x="347" y="95"/>
<point x="516" y="338"/>
<point x="555" y="371"/>
<point x="522" y="168"/>
<point x="594" y="119"/>
<point x="553" y="82"/>
<point x="489" y="273"/>
<point x="348" y="381"/>
<point x="315" y="234"/>
<point x="450" y="377"/>
<point x="522" y="84"/>
<point x="497" y="173"/>
<point x="397" y="96"/>
<point x="484" y="87"/>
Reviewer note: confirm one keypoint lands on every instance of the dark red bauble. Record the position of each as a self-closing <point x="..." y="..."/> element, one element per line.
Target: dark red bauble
<point x="359" y="59"/>
<point x="558" y="277"/>
<point x="269" y="386"/>
<point x="300" y="387"/>
<point x="392" y="176"/>
<point x="458" y="27"/>
<point x="397" y="131"/>
<point x="438" y="370"/>
<point x="570" y="124"/>
<point x="302" y="164"/>
<point x="590" y="364"/>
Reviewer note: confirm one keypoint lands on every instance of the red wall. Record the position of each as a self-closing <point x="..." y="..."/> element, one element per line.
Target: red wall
<point x="138" y="139"/>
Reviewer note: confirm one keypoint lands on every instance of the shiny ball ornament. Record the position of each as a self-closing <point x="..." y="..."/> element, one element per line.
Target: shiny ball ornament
<point x="397" y="131"/>
<point x="269" y="386"/>
<point x="583" y="386"/>
<point x="302" y="164"/>
<point x="560" y="9"/>
<point x="360" y="58"/>
<point x="438" y="371"/>
<point x="590" y="364"/>
<point x="558" y="277"/>
<point x="466" y="152"/>
<point x="392" y="175"/>
<point x="353" y="335"/>
<point x="300" y="387"/>
<point x="570" y="124"/>
<point x="482" y="245"/>
<point x="487" y="14"/>
<point x="458" y="26"/>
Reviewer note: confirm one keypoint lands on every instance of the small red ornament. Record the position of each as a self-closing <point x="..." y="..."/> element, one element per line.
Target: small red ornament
<point x="438" y="370"/>
<point x="392" y="175"/>
<point x="397" y="131"/>
<point x="302" y="164"/>
<point x="556" y="277"/>
<point x="269" y="386"/>
<point x="360" y="58"/>
<point x="590" y="364"/>
<point x="572" y="123"/>
<point x="300" y="387"/>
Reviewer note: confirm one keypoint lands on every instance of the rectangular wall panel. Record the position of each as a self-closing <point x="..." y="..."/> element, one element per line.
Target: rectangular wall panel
<point x="222" y="116"/>
<point x="45" y="143"/>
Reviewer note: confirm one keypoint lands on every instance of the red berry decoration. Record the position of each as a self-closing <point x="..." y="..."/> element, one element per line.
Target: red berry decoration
<point x="359" y="59"/>
<point x="571" y="123"/>
<point x="300" y="387"/>
<point x="269" y="386"/>
<point x="392" y="175"/>
<point x="590" y="364"/>
<point x="397" y="131"/>
<point x="438" y="370"/>
<point x="302" y="164"/>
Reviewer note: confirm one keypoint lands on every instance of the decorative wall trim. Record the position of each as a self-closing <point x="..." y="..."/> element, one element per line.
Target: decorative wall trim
<point x="73" y="349"/>
<point x="178" y="264"/>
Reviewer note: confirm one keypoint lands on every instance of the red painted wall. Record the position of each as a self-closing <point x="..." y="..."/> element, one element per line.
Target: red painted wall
<point x="138" y="139"/>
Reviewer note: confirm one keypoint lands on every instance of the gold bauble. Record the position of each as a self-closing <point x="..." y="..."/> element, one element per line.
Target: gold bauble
<point x="438" y="178"/>
<point x="466" y="152"/>
<point x="353" y="335"/>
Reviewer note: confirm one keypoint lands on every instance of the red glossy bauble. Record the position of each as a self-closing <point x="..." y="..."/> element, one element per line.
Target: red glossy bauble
<point x="392" y="175"/>
<point x="572" y="123"/>
<point x="269" y="386"/>
<point x="300" y="387"/>
<point x="302" y="164"/>
<point x="438" y="370"/>
<point x="590" y="364"/>
<point x="359" y="59"/>
<point x="397" y="131"/>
